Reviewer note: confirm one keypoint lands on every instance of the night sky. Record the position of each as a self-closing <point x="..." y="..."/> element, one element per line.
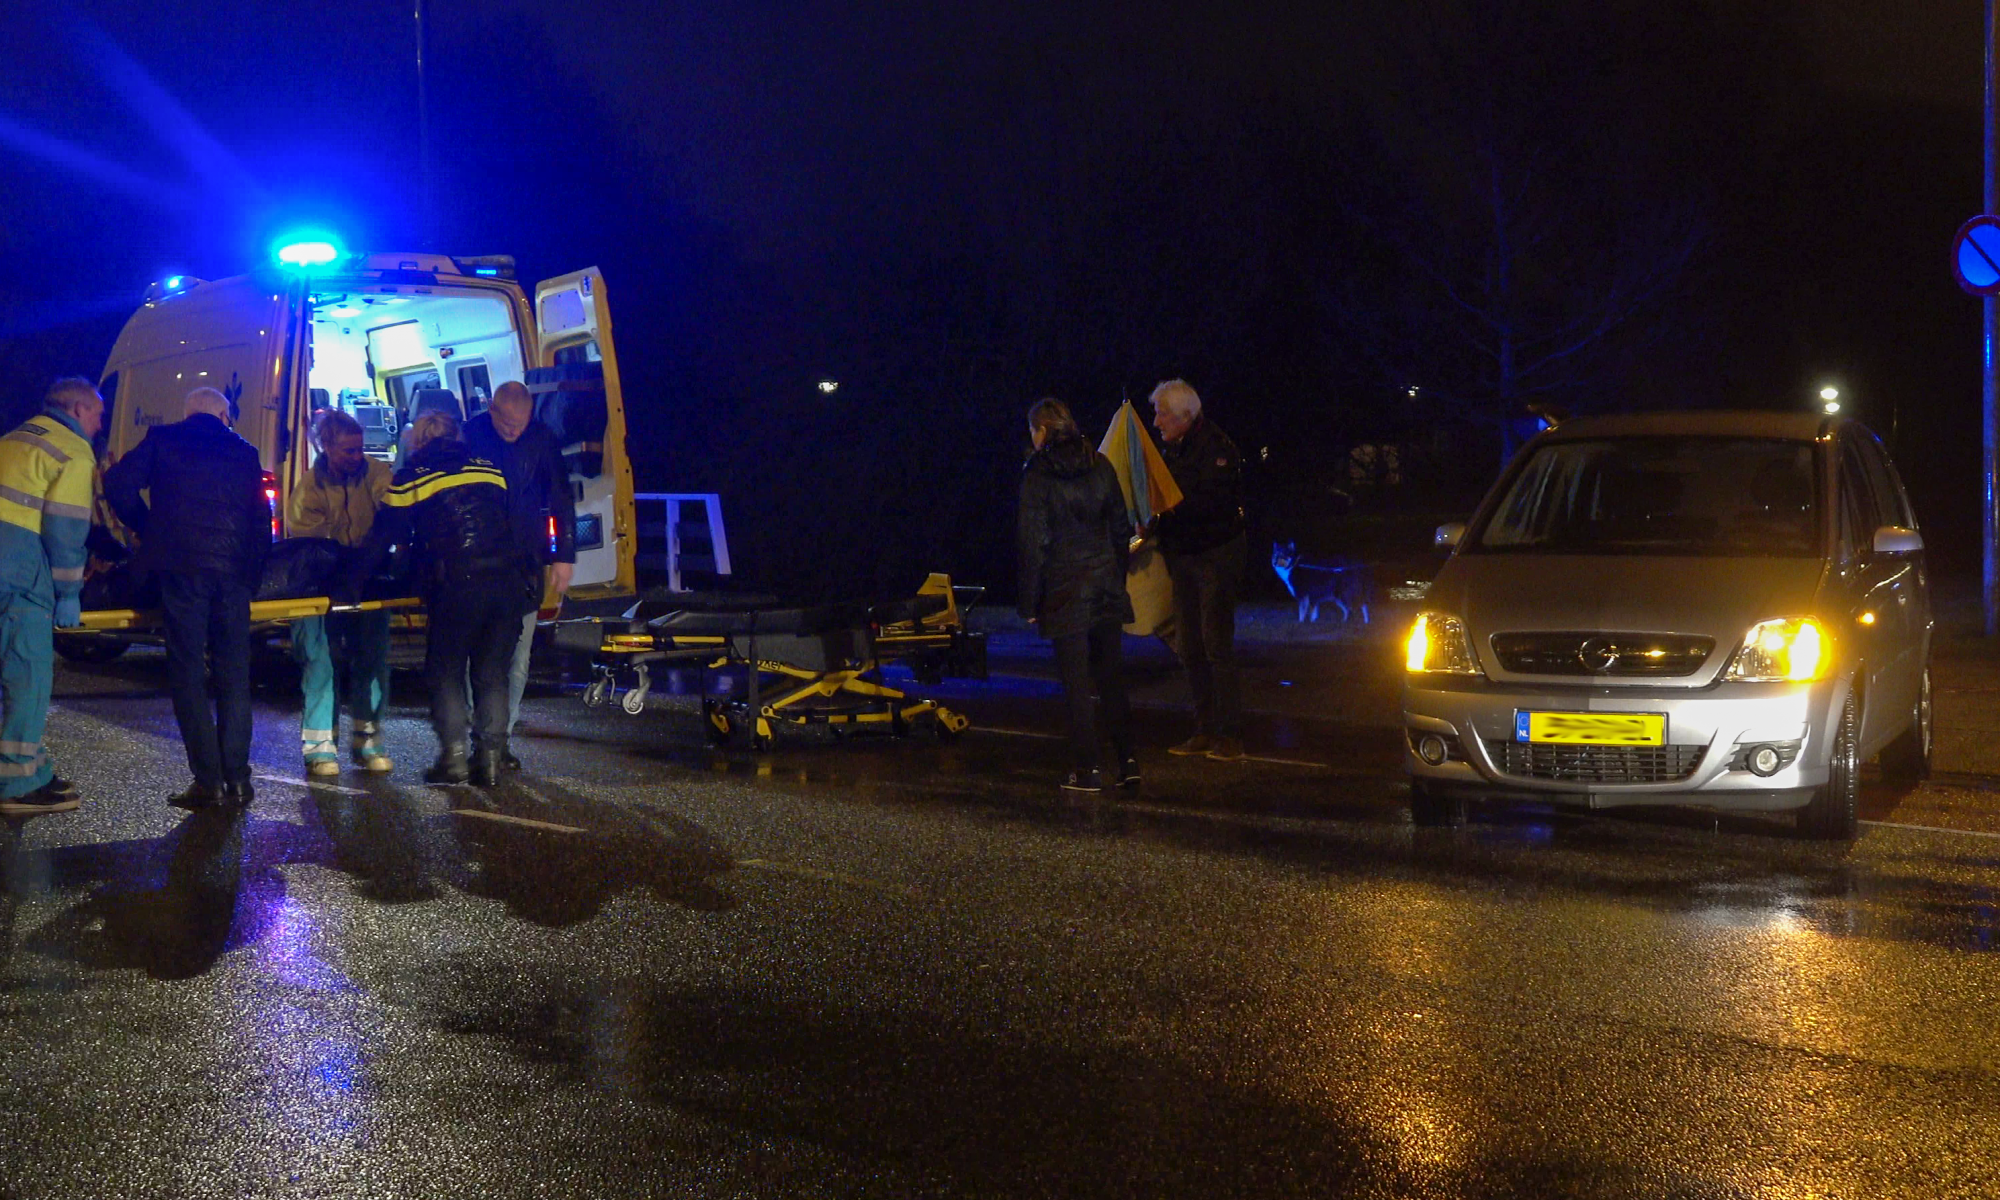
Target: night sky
<point x="957" y="209"/>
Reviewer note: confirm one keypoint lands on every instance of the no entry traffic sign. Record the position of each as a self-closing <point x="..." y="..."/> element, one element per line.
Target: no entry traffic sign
<point x="1975" y="255"/>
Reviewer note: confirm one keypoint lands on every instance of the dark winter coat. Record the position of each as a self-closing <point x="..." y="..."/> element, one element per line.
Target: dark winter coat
<point x="450" y="506"/>
<point x="1074" y="537"/>
<point x="1210" y="473"/>
<point x="208" y="511"/>
<point x="537" y="486"/>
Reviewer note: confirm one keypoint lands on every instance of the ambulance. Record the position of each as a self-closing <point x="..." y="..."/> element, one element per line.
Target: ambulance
<point x="383" y="338"/>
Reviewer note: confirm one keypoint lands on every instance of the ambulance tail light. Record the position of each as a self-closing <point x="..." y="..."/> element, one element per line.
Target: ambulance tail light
<point x="552" y="535"/>
<point x="271" y="500"/>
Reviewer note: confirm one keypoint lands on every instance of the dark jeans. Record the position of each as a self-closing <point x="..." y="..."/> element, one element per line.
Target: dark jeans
<point x="1206" y="584"/>
<point x="473" y="624"/>
<point x="208" y="658"/>
<point x="1084" y="660"/>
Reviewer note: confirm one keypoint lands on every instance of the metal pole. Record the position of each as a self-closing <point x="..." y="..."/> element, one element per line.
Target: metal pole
<point x="426" y="215"/>
<point x="1989" y="392"/>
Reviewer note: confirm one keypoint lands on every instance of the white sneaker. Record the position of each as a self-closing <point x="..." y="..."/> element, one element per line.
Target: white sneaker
<point x="323" y="767"/>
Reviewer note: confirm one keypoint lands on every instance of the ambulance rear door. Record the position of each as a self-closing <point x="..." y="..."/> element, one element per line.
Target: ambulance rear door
<point x="577" y="394"/>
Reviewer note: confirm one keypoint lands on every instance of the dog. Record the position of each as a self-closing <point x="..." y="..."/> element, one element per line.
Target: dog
<point x="1341" y="582"/>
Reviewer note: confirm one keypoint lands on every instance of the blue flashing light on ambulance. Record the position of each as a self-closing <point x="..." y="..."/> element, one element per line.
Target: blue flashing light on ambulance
<point x="385" y="337"/>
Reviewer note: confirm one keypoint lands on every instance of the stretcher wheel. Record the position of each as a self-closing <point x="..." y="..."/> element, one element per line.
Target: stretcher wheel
<point x="597" y="693"/>
<point x="718" y="724"/>
<point x="635" y="701"/>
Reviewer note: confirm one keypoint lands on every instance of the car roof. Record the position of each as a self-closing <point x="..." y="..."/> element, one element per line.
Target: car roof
<point x="1711" y="422"/>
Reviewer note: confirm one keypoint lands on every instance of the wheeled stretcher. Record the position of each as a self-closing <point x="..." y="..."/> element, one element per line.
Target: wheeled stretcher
<point x="800" y="666"/>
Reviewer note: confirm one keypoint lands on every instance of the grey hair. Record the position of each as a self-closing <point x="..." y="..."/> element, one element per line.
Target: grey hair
<point x="70" y="393"/>
<point x="206" y="400"/>
<point x="1178" y="398"/>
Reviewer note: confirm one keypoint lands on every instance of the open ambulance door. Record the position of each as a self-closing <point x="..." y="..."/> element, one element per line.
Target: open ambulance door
<point x="577" y="394"/>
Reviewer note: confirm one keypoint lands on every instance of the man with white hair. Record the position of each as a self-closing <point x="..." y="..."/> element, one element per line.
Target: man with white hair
<point x="1203" y="542"/>
<point x="205" y="534"/>
<point x="45" y="501"/>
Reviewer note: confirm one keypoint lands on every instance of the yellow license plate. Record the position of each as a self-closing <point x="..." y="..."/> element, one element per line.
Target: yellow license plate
<point x="1591" y="729"/>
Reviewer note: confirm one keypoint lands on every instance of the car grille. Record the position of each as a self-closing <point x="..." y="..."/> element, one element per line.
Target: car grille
<point x="1627" y="655"/>
<point x="1594" y="764"/>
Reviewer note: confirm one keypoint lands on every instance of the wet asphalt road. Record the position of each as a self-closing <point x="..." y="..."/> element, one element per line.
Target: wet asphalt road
<point x="898" y="968"/>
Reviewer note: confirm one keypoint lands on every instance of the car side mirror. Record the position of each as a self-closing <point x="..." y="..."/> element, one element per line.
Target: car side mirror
<point x="1894" y="539"/>
<point x="1449" y="533"/>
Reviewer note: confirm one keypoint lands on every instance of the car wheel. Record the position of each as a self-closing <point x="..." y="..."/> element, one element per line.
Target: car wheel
<point x="1433" y="809"/>
<point x="1908" y="758"/>
<point x="88" y="648"/>
<point x="1834" y="813"/>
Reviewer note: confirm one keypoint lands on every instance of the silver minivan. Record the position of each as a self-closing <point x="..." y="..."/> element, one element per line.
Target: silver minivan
<point x="1722" y="609"/>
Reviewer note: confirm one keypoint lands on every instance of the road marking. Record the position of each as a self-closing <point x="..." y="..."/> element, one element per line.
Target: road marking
<point x="1286" y="762"/>
<point x="759" y="864"/>
<point x="1980" y="833"/>
<point x="1028" y="733"/>
<point x="307" y="784"/>
<point x="511" y="819"/>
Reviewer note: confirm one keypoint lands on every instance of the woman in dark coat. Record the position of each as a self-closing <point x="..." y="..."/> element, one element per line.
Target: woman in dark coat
<point x="1074" y="537"/>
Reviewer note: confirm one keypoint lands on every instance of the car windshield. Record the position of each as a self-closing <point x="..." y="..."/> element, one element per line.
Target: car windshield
<point x="1696" y="496"/>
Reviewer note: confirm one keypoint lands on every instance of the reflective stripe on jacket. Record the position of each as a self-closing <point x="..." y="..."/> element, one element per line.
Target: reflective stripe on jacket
<point x="47" y="489"/>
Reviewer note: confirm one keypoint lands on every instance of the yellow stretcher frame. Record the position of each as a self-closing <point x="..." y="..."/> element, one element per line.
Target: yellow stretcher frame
<point x="858" y="701"/>
<point x="262" y="613"/>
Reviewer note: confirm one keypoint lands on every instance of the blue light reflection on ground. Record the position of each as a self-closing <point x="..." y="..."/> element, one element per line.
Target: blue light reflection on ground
<point x="311" y="1053"/>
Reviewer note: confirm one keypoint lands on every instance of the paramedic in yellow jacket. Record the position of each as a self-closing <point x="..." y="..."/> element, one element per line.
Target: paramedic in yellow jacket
<point x="337" y="500"/>
<point x="47" y="484"/>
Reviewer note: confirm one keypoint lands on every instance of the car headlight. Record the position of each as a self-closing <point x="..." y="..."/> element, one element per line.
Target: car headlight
<point x="1438" y="644"/>
<point x="1788" y="648"/>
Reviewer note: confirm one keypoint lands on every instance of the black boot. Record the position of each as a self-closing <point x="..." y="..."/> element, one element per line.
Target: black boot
<point x="449" y="768"/>
<point x="487" y="763"/>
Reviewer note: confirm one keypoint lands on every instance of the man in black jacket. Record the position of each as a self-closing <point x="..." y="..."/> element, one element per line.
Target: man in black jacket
<point x="205" y="535"/>
<point x="451" y="506"/>
<point x="538" y="494"/>
<point x="1203" y="542"/>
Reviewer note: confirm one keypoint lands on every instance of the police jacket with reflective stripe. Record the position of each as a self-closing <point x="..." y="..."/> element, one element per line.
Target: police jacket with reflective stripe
<point x="47" y="486"/>
<point x="208" y="512"/>
<point x="452" y="507"/>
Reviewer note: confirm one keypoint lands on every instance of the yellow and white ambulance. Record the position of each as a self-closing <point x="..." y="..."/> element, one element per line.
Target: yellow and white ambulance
<point x="383" y="337"/>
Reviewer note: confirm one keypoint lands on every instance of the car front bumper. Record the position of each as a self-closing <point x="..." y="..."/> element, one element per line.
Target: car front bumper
<point x="1709" y="735"/>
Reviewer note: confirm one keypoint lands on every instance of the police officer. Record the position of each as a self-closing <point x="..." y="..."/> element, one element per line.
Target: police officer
<point x="451" y="506"/>
<point x="46" y="490"/>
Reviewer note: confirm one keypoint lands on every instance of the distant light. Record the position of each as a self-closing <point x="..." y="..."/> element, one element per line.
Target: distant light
<point x="307" y="252"/>
<point x="1829" y="393"/>
<point x="828" y="387"/>
<point x="1831" y="407"/>
<point x="1412" y="392"/>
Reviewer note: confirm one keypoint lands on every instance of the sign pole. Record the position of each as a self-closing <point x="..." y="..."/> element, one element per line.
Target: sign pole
<point x="1989" y="392"/>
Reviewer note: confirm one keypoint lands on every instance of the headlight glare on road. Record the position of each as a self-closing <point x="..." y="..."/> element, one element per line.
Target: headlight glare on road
<point x="1787" y="649"/>
<point x="1438" y="644"/>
